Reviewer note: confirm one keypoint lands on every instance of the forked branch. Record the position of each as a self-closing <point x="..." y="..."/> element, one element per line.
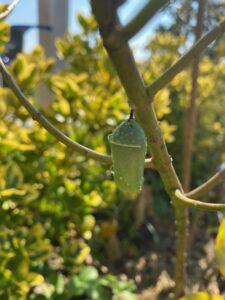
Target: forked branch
<point x="143" y="17"/>
<point x="188" y="202"/>
<point x="185" y="60"/>
<point x="208" y="185"/>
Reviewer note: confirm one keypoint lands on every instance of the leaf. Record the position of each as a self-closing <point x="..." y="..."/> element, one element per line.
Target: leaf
<point x="34" y="279"/>
<point x="12" y="145"/>
<point x="202" y="296"/>
<point x="93" y="199"/>
<point x="76" y="287"/>
<point x="84" y="251"/>
<point x="59" y="286"/>
<point x="4" y="35"/>
<point x="12" y="192"/>
<point x="98" y="292"/>
<point x="88" y="274"/>
<point x="13" y="175"/>
<point x="23" y="288"/>
<point x="88" y="222"/>
<point x="220" y="248"/>
<point x="20" y="267"/>
<point x="5" y="277"/>
<point x="168" y="131"/>
<point x="2" y="108"/>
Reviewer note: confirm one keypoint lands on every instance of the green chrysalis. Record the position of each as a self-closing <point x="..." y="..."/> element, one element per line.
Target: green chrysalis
<point x="128" y="147"/>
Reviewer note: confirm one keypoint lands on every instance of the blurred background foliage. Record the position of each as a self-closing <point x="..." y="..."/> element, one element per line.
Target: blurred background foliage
<point x="62" y="220"/>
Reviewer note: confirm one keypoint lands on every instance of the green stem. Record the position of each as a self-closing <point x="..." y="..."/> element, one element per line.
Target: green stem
<point x="185" y="60"/>
<point x="190" y="114"/>
<point x="181" y="216"/>
<point x="144" y="16"/>
<point x="188" y="202"/>
<point x="208" y="185"/>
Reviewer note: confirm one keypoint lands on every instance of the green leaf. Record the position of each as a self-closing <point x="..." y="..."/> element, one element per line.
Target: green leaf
<point x="98" y="292"/>
<point x="13" y="175"/>
<point x="202" y="296"/>
<point x="59" y="286"/>
<point x="220" y="248"/>
<point x="4" y="35"/>
<point x="88" y="274"/>
<point x="76" y="287"/>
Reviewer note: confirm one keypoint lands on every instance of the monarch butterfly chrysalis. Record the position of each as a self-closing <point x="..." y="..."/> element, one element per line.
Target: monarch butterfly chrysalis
<point x="128" y="147"/>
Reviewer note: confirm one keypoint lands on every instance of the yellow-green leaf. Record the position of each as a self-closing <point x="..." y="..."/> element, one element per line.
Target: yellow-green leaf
<point x="93" y="199"/>
<point x="13" y="175"/>
<point x="12" y="192"/>
<point x="34" y="279"/>
<point x="14" y="145"/>
<point x="202" y="296"/>
<point x="84" y="252"/>
<point x="220" y="248"/>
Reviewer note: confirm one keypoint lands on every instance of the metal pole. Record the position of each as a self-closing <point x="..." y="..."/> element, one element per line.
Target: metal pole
<point x="55" y="14"/>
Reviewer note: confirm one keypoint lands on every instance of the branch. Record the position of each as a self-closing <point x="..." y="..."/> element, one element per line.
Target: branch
<point x="191" y="111"/>
<point x="181" y="216"/>
<point x="144" y="16"/>
<point x="124" y="63"/>
<point x="9" y="9"/>
<point x="185" y="60"/>
<point x="197" y="204"/>
<point x="39" y="117"/>
<point x="208" y="185"/>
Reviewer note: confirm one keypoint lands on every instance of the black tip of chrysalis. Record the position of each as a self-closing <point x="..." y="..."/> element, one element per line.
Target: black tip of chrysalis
<point x="131" y="117"/>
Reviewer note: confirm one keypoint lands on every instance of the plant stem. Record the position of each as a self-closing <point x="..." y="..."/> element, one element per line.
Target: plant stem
<point x="188" y="202"/>
<point x="190" y="114"/>
<point x="144" y="16"/>
<point x="185" y="60"/>
<point x="9" y="9"/>
<point x="208" y="185"/>
<point x="181" y="216"/>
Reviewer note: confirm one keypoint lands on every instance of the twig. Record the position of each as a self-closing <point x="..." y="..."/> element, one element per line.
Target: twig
<point x="181" y="216"/>
<point x="208" y="185"/>
<point x="39" y="117"/>
<point x="9" y="9"/>
<point x="185" y="60"/>
<point x="191" y="111"/>
<point x="189" y="131"/>
<point x="188" y="202"/>
<point x="144" y="16"/>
